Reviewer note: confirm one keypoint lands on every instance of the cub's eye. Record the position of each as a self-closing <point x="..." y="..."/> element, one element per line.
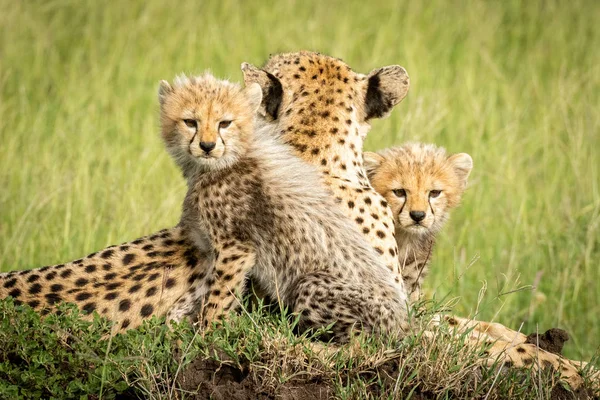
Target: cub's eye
<point x="434" y="193"/>
<point x="190" y="123"/>
<point x="224" y="124"/>
<point x="399" y="192"/>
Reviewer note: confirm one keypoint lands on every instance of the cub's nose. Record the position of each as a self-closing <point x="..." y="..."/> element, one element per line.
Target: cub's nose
<point x="207" y="146"/>
<point x="417" y="216"/>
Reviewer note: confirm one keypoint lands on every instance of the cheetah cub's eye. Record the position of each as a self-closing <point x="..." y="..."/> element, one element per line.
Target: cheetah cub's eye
<point x="399" y="192"/>
<point x="191" y="123"/>
<point x="434" y="193"/>
<point x="224" y="124"/>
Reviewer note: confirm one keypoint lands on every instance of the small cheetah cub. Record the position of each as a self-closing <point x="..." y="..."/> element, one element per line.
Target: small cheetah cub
<point x="422" y="184"/>
<point x="264" y="214"/>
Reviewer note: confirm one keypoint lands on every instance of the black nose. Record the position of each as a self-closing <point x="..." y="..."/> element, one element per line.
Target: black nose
<point x="207" y="146"/>
<point x="417" y="216"/>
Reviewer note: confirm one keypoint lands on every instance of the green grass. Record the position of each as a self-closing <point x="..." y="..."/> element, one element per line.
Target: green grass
<point x="514" y="84"/>
<point x="253" y="355"/>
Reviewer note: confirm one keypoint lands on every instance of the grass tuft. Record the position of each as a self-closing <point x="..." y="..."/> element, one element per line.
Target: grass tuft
<point x="252" y="354"/>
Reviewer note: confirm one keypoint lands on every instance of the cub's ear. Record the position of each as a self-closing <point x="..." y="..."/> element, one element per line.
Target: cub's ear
<point x="386" y="87"/>
<point x="164" y="89"/>
<point x="462" y="164"/>
<point x="254" y="94"/>
<point x="372" y="162"/>
<point x="272" y="91"/>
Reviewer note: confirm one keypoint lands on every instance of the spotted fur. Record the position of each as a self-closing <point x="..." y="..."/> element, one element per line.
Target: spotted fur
<point x="126" y="283"/>
<point x="264" y="212"/>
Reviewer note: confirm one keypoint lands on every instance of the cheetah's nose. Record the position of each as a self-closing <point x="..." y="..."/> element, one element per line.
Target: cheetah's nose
<point x="207" y="146"/>
<point x="417" y="216"/>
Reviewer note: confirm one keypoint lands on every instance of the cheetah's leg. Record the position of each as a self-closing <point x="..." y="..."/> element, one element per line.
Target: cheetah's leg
<point x="231" y="267"/>
<point x="323" y="299"/>
<point x="514" y="347"/>
<point x="529" y="355"/>
<point x="509" y="347"/>
<point x="189" y="304"/>
<point x="413" y="274"/>
<point x="485" y="331"/>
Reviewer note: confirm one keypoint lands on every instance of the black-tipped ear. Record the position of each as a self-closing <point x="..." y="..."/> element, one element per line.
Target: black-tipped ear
<point x="272" y="89"/>
<point x="164" y="89"/>
<point x="372" y="162"/>
<point x="386" y="87"/>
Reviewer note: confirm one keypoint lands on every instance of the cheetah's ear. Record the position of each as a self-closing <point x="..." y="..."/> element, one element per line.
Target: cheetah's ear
<point x="254" y="94"/>
<point x="386" y="87"/>
<point x="272" y="91"/>
<point x="462" y="164"/>
<point x="164" y="90"/>
<point x="372" y="162"/>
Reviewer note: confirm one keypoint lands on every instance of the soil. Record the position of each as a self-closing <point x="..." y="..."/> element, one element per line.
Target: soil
<point x="210" y="379"/>
<point x="552" y="340"/>
<point x="205" y="379"/>
<point x="560" y="393"/>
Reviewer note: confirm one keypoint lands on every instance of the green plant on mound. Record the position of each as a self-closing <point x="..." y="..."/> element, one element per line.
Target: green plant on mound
<point x="254" y="354"/>
<point x="63" y="356"/>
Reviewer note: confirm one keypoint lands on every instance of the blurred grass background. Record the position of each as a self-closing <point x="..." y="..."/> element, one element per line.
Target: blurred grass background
<point x="515" y="84"/>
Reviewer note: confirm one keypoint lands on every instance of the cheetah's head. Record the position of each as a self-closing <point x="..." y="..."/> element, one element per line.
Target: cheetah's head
<point x="304" y="82"/>
<point x="420" y="182"/>
<point x="206" y="123"/>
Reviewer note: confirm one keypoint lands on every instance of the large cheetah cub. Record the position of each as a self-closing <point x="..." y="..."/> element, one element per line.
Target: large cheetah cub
<point x="422" y="184"/>
<point x="265" y="214"/>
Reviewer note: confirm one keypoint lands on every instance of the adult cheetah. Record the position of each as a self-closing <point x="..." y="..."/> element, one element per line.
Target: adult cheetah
<point x="108" y="281"/>
<point x="322" y="108"/>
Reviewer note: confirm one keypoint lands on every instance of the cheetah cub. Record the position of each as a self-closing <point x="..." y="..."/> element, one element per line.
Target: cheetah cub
<point x="264" y="214"/>
<point x="422" y="184"/>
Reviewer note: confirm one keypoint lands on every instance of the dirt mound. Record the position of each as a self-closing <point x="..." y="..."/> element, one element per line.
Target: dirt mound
<point x="206" y="378"/>
<point x="210" y="379"/>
